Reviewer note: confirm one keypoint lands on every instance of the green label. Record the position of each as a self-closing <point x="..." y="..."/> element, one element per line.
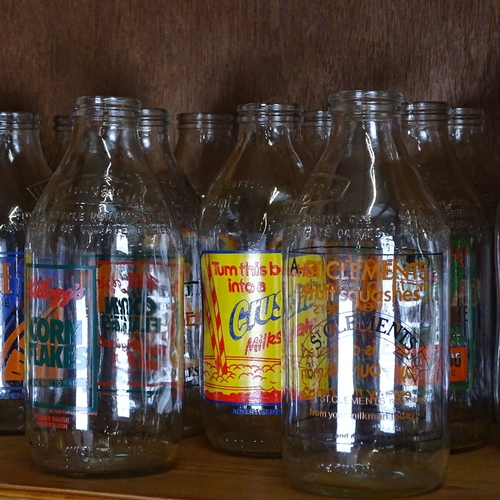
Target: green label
<point x="464" y="294"/>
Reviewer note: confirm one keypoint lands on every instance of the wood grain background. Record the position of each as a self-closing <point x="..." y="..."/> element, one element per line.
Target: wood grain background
<point x="211" y="55"/>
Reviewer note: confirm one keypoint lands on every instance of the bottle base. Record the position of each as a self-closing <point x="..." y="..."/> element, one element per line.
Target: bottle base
<point x="243" y="434"/>
<point x="365" y="472"/>
<point x="11" y="419"/>
<point x="264" y="443"/>
<point x="361" y="488"/>
<point x="103" y="457"/>
<point x="100" y="468"/>
<point x="235" y="445"/>
<point x="469" y="435"/>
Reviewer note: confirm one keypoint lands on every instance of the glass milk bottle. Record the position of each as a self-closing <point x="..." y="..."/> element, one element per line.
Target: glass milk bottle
<point x="104" y="305"/>
<point x="24" y="173"/>
<point x="425" y="125"/>
<point x="366" y="351"/>
<point x="241" y="228"/>
<point x="185" y="204"/>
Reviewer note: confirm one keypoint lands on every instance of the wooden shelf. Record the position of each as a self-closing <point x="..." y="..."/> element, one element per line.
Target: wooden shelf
<point x="203" y="473"/>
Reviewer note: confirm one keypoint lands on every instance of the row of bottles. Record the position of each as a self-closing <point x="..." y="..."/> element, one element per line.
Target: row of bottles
<point x="205" y="141"/>
<point x="337" y="283"/>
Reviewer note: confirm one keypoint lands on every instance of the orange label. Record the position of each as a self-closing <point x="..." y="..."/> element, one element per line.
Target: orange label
<point x="458" y="364"/>
<point x="242" y="324"/>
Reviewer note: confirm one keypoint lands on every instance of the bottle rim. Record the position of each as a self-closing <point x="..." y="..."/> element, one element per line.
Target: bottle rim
<point x="19" y="120"/>
<point x="469" y="115"/>
<point x="316" y="117"/>
<point x="106" y="106"/>
<point x="154" y="117"/>
<point x="425" y="110"/>
<point x="273" y="112"/>
<point x="366" y="100"/>
<point x="198" y="120"/>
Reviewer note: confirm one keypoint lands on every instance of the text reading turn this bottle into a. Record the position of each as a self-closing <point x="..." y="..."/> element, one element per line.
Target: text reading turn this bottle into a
<point x="241" y="236"/>
<point x="365" y="396"/>
<point x="104" y="305"/>
<point x="22" y="167"/>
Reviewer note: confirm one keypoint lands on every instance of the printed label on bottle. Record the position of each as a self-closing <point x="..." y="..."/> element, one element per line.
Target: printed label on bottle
<point x="464" y="296"/>
<point x="192" y="311"/>
<point x="12" y="307"/>
<point x="137" y="326"/>
<point x="105" y="327"/>
<point x="62" y="347"/>
<point x="365" y="351"/>
<point x="192" y="328"/>
<point x="242" y="320"/>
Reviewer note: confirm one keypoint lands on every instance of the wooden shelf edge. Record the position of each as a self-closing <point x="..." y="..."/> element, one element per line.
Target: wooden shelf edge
<point x="38" y="493"/>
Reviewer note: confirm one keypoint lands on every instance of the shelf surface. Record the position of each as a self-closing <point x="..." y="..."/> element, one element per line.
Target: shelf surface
<point x="201" y="473"/>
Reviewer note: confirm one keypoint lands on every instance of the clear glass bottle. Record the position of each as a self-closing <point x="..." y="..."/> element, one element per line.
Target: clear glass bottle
<point x="104" y="305"/>
<point x="466" y="127"/>
<point x="155" y="143"/>
<point x="316" y="129"/>
<point x="240" y="236"/>
<point x="205" y="141"/>
<point x="63" y="127"/>
<point x="425" y="127"/>
<point x="22" y="166"/>
<point x="365" y="259"/>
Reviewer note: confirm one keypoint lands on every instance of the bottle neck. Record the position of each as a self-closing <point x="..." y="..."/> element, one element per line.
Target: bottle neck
<point x="105" y="125"/>
<point x="204" y="128"/>
<point x="104" y="135"/>
<point x="317" y="120"/>
<point x="428" y="135"/>
<point x="369" y="132"/>
<point x="151" y="136"/>
<point x="461" y="131"/>
<point x="269" y="133"/>
<point x="270" y="122"/>
<point x="365" y="123"/>
<point x="21" y="133"/>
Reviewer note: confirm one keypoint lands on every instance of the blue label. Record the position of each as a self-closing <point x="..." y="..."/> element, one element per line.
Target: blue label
<point x="12" y="321"/>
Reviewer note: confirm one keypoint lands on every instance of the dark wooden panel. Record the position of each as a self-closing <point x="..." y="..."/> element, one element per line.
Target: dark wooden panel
<point x="210" y="55"/>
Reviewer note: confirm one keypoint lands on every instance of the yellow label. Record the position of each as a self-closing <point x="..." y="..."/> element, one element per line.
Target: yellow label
<point x="242" y="309"/>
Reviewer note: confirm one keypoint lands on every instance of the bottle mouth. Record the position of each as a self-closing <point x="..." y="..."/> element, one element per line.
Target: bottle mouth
<point x="472" y="116"/>
<point x="154" y="117"/>
<point x="366" y="100"/>
<point x="425" y="110"/>
<point x="313" y="117"/>
<point x="120" y="107"/>
<point x="205" y="120"/>
<point x="19" y="120"/>
<point x="270" y="112"/>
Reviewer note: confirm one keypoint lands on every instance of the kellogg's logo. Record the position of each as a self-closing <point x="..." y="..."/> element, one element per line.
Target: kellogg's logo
<point x="59" y="297"/>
